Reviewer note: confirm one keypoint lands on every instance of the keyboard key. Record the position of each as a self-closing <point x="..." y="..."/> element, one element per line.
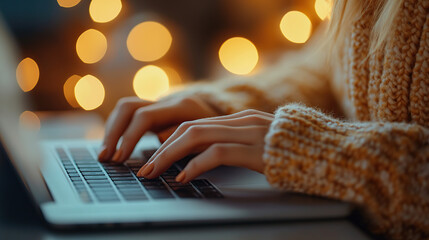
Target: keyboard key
<point x="89" y="169"/>
<point x="127" y="185"/>
<point x="101" y="191"/>
<point x="200" y="183"/>
<point x="160" y="193"/>
<point x="120" y="175"/>
<point x="88" y="165"/>
<point x="104" y="191"/>
<point x="124" y="179"/>
<point x="135" y="164"/>
<point x="176" y="184"/>
<point x="148" y="153"/>
<point x="187" y="192"/>
<point x="212" y="194"/>
<point x="73" y="175"/>
<point x="91" y="177"/>
<point x="135" y="198"/>
<point x="116" y="167"/>
<point x="149" y="180"/>
<point x="117" y="171"/>
<point x="154" y="185"/>
<point x="113" y="199"/>
<point x="101" y="186"/>
<point x="79" y="185"/>
<point x="206" y="188"/>
<point x="130" y="190"/>
<point x="117" y="179"/>
<point x="169" y="179"/>
<point x="93" y="174"/>
<point x="76" y="179"/>
<point x="97" y="181"/>
<point x="133" y="193"/>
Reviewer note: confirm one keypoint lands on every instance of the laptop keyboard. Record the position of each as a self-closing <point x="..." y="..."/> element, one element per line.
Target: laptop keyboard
<point x="107" y="182"/>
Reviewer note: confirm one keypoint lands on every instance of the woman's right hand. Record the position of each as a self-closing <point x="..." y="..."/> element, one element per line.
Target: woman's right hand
<point x="133" y="117"/>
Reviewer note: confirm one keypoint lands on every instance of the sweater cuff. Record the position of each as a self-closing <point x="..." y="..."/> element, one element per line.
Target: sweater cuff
<point x="302" y="154"/>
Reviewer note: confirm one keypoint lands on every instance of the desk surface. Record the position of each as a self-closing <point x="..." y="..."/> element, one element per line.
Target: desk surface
<point x="19" y="220"/>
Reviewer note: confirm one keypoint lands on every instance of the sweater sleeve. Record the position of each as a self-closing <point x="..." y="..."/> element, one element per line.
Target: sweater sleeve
<point x="382" y="167"/>
<point x="301" y="76"/>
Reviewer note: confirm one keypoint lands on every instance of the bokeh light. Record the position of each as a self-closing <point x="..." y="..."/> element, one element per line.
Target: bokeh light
<point x="296" y="27"/>
<point x="238" y="55"/>
<point x="91" y="46"/>
<point x="323" y="8"/>
<point x="149" y="41"/>
<point x="29" y="120"/>
<point x="89" y="92"/>
<point x="27" y="74"/>
<point x="103" y="11"/>
<point x="68" y="3"/>
<point x="68" y="89"/>
<point x="150" y="82"/>
<point x="174" y="78"/>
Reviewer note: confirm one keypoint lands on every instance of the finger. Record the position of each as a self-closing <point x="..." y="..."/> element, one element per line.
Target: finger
<point x="158" y="116"/>
<point x="241" y="120"/>
<point x="246" y="112"/>
<point x="202" y="135"/>
<point x="228" y="154"/>
<point x="117" y="123"/>
<point x="165" y="134"/>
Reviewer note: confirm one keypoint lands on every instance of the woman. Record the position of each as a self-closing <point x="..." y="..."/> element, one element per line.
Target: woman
<point x="371" y="74"/>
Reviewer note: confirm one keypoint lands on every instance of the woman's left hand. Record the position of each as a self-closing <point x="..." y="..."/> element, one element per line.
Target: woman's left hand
<point x="232" y="140"/>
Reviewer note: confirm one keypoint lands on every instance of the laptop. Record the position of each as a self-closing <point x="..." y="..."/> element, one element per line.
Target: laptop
<point x="72" y="189"/>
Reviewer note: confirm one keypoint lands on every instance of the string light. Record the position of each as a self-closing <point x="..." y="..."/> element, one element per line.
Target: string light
<point x="296" y="27"/>
<point x="149" y="41"/>
<point x="323" y="8"/>
<point x="150" y="82"/>
<point x="89" y="92"/>
<point x="68" y="89"/>
<point x="91" y="46"/>
<point x="29" y="120"/>
<point x="238" y="55"/>
<point x="103" y="11"/>
<point x="68" y="3"/>
<point x="27" y="74"/>
<point x="174" y="78"/>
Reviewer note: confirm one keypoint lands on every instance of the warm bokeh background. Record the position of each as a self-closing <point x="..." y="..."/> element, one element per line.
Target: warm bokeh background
<point x="86" y="54"/>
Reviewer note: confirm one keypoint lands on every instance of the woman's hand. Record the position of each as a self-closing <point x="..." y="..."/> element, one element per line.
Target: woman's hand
<point x="232" y="140"/>
<point x="133" y="117"/>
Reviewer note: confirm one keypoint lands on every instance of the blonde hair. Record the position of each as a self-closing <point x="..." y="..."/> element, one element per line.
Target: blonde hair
<point x="346" y="12"/>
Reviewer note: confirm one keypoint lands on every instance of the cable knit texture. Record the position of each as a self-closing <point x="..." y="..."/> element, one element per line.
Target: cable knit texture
<point x="378" y="157"/>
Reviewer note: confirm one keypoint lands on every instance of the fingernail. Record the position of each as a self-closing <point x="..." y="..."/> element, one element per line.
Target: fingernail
<point x="102" y="154"/>
<point x="117" y="155"/>
<point x="181" y="176"/>
<point x="139" y="173"/>
<point x="148" y="169"/>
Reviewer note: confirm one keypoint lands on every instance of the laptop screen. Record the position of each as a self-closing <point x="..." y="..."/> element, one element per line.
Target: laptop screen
<point x="21" y="145"/>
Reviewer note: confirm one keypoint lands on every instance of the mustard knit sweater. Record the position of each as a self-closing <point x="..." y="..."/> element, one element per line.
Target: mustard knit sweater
<point x="377" y="154"/>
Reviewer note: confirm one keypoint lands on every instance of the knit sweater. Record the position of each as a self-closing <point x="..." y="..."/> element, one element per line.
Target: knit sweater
<point x="374" y="152"/>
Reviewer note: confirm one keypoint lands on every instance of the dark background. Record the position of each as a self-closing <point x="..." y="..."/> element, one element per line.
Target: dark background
<point x="47" y="33"/>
